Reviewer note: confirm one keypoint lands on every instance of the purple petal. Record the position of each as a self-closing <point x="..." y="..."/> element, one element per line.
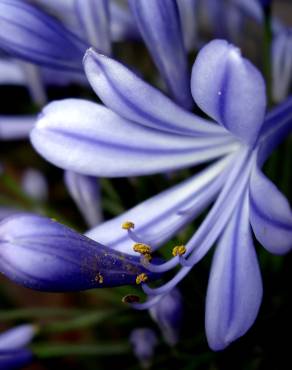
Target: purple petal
<point x="270" y="214"/>
<point x="126" y="94"/>
<point x="178" y="206"/>
<point x="17" y="337"/>
<point x="15" y="359"/>
<point x="90" y="139"/>
<point x="16" y="127"/>
<point x="229" y="89"/>
<point x="159" y="24"/>
<point x="41" y="254"/>
<point x="235" y="287"/>
<point x="144" y="341"/>
<point x="30" y="34"/>
<point x="94" y="20"/>
<point x="85" y="191"/>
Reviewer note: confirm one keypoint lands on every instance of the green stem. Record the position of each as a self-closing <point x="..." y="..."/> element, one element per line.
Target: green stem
<point x="39" y="312"/>
<point x="45" y="350"/>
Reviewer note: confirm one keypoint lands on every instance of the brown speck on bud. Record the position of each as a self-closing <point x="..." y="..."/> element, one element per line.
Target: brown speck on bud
<point x="130" y="298"/>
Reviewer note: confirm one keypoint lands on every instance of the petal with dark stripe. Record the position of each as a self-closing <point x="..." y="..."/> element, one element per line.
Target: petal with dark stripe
<point x="88" y="138"/>
<point x="229" y="89"/>
<point x="235" y="287"/>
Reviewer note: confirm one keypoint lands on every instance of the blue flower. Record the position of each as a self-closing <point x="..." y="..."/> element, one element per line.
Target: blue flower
<point x="144" y="132"/>
<point x="42" y="254"/>
<point x="13" y="354"/>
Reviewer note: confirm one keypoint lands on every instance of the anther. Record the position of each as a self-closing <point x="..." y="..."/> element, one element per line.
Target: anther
<point x="142" y="248"/>
<point x="99" y="278"/>
<point x="130" y="298"/>
<point x="127" y="225"/>
<point x="179" y="250"/>
<point x="142" y="278"/>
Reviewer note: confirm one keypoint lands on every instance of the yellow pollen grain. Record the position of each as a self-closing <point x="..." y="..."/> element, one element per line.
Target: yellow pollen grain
<point x="179" y="250"/>
<point x="142" y="248"/>
<point x="99" y="278"/>
<point x="142" y="278"/>
<point x="127" y="225"/>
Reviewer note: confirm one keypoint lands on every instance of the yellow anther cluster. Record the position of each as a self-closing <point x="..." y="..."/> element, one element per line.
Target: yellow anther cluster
<point x="142" y="248"/>
<point x="179" y="250"/>
<point x="142" y="278"/>
<point x="99" y="278"/>
<point x="127" y="225"/>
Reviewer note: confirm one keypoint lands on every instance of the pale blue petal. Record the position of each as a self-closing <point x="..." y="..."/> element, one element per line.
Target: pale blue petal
<point x="122" y="23"/>
<point x="17" y="337"/>
<point x="11" y="73"/>
<point x="229" y="89"/>
<point x="270" y="214"/>
<point x="159" y="24"/>
<point x="235" y="287"/>
<point x="88" y="138"/>
<point x="188" y="18"/>
<point x="16" y="127"/>
<point x="125" y="93"/>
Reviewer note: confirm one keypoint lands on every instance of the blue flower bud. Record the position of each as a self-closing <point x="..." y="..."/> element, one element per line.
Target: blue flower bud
<point x="41" y="254"/>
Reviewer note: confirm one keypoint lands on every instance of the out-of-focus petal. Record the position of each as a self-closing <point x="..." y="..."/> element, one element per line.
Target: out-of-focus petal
<point x="125" y="93"/>
<point x="235" y="287"/>
<point x="144" y="341"/>
<point x="94" y="20"/>
<point x="90" y="139"/>
<point x="17" y="337"/>
<point x="229" y="89"/>
<point x="42" y="254"/>
<point x="122" y="23"/>
<point x="282" y="64"/>
<point x="30" y="34"/>
<point x="35" y="185"/>
<point x="270" y="214"/>
<point x="16" y="127"/>
<point x="159" y="24"/>
<point x="168" y="314"/>
<point x="157" y="224"/>
<point x="11" y="73"/>
<point x="85" y="191"/>
<point x="188" y="19"/>
<point x="10" y="360"/>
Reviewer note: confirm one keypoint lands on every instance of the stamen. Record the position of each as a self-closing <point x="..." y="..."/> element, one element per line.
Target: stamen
<point x="146" y="258"/>
<point x="127" y="225"/>
<point x="179" y="250"/>
<point x="99" y="278"/>
<point x="142" y="248"/>
<point x="142" y="278"/>
<point x="130" y="298"/>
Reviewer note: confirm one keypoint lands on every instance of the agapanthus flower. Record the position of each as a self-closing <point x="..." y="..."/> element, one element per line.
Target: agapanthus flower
<point x="143" y="132"/>
<point x="13" y="351"/>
